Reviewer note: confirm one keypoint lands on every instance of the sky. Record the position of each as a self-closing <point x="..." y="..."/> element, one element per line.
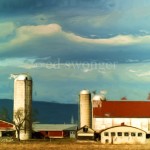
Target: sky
<point x="70" y="45"/>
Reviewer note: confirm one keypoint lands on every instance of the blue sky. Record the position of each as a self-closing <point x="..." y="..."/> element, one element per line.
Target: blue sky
<point x="70" y="45"/>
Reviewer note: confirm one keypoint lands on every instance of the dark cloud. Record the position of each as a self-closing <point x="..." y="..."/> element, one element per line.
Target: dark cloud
<point x="34" y="5"/>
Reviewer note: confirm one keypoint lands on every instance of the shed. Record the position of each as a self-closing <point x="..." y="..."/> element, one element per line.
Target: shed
<point x="123" y="135"/>
<point x="56" y="130"/>
<point x="85" y="133"/>
<point x="6" y="128"/>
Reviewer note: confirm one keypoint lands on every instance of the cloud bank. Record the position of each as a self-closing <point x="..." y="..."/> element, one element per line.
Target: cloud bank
<point x="24" y="34"/>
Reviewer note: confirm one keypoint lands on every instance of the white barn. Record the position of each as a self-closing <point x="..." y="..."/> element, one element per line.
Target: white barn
<point x="107" y="114"/>
<point x="123" y="135"/>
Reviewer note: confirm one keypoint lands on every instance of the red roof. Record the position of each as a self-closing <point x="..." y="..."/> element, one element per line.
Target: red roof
<point x="6" y="125"/>
<point x="123" y="109"/>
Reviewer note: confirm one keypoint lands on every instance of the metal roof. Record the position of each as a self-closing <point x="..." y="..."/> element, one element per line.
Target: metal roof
<point x="129" y="109"/>
<point x="85" y="92"/>
<point x="54" y="127"/>
<point x="98" y="97"/>
<point x="6" y="126"/>
<point x="23" y="77"/>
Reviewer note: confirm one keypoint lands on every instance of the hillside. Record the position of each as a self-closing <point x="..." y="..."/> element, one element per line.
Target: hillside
<point x="47" y="112"/>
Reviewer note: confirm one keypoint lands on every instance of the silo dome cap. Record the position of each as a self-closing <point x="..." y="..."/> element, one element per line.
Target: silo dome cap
<point x="85" y="92"/>
<point x="98" y="97"/>
<point x="23" y="77"/>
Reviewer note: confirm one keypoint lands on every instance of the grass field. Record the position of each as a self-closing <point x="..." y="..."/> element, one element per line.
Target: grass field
<point x="68" y="145"/>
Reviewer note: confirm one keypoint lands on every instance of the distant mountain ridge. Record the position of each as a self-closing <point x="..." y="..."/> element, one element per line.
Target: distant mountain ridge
<point x="47" y="112"/>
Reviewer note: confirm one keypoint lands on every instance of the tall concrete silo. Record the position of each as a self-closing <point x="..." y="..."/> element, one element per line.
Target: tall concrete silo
<point x="85" y="108"/>
<point x="23" y="104"/>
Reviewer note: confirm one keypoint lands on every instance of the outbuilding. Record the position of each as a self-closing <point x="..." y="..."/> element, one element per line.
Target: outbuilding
<point x="6" y="128"/>
<point x="123" y="135"/>
<point x="55" y="130"/>
<point x="85" y="133"/>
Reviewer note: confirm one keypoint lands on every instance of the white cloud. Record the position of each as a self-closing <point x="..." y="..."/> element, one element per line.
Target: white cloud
<point x="134" y="72"/>
<point x="87" y="70"/>
<point x="131" y="70"/>
<point x="27" y="33"/>
<point x="116" y="40"/>
<point x="6" y="28"/>
<point x="39" y="30"/>
<point x="144" y="74"/>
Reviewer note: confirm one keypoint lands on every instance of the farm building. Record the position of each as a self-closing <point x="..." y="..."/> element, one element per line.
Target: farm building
<point x="100" y="114"/>
<point x="123" y="135"/>
<point x="112" y="113"/>
<point x="85" y="133"/>
<point x="6" y="128"/>
<point x="55" y="130"/>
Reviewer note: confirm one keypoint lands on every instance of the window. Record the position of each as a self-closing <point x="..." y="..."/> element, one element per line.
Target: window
<point x="85" y="129"/>
<point x="139" y="134"/>
<point x="132" y="133"/>
<point x="72" y="132"/>
<point x="119" y="133"/>
<point x="126" y="134"/>
<point x="106" y="133"/>
<point x="113" y="134"/>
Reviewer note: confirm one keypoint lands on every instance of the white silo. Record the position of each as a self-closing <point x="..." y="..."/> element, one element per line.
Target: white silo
<point x="97" y="102"/>
<point x="85" y="108"/>
<point x="23" y="104"/>
<point x="99" y="98"/>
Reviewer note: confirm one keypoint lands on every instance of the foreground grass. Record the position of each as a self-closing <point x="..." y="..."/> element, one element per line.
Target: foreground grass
<point x="68" y="145"/>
